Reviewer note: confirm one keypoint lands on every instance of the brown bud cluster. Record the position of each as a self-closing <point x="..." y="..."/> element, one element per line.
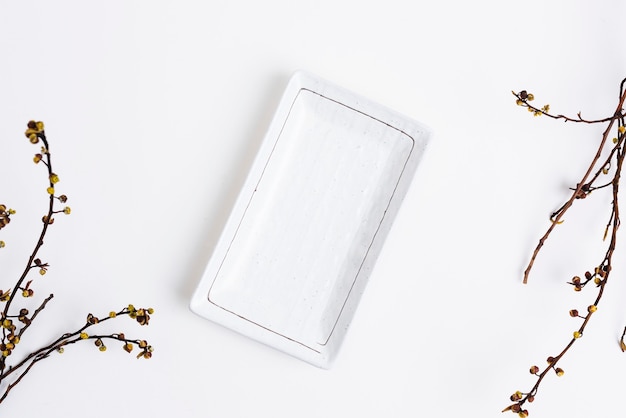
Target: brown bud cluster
<point x="4" y="216"/>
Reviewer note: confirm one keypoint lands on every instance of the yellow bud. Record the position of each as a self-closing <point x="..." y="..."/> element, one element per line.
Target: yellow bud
<point x="112" y="314"/>
<point x="577" y="334"/>
<point x="50" y="190"/>
<point x="67" y="210"/>
<point x="621" y="129"/>
<point x="592" y="308"/>
<point x="84" y="335"/>
<point x="54" y="178"/>
<point x="102" y="348"/>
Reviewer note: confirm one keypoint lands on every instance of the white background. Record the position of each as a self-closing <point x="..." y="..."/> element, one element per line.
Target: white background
<point x="155" y="111"/>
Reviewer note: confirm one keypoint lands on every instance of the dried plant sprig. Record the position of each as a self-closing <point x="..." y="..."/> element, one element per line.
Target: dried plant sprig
<point x="15" y="321"/>
<point x="23" y="367"/>
<point x="599" y="167"/>
<point x="586" y="185"/>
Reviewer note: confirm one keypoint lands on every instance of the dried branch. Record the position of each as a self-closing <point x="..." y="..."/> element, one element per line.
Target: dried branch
<point x="598" y="275"/>
<point x="14" y="321"/>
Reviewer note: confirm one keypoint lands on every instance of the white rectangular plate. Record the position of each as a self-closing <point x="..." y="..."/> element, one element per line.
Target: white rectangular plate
<point x="309" y="223"/>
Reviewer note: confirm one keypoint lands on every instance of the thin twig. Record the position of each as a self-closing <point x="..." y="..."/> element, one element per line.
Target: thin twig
<point x="579" y="187"/>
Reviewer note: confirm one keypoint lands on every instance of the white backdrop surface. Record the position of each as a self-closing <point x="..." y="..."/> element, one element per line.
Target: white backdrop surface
<point x="155" y="111"/>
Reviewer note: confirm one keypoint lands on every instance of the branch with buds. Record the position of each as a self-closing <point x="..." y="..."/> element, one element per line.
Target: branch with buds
<point x="16" y="317"/>
<point x="607" y="162"/>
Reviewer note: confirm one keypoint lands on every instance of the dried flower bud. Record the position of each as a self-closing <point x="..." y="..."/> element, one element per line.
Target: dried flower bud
<point x="534" y="370"/>
<point x="573" y="313"/>
<point x="92" y="319"/>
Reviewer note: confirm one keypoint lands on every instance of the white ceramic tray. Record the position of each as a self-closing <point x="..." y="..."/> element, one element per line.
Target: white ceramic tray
<point x="309" y="223"/>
